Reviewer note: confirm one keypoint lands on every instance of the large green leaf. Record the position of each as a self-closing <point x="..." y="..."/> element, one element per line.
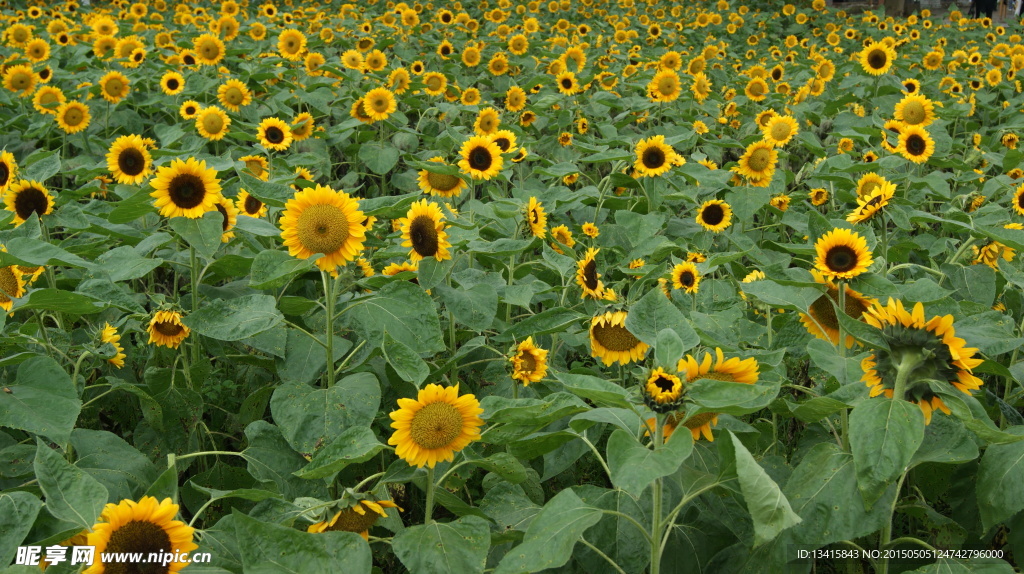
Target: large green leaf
<point x="615" y="535"/>
<point x="62" y="301"/>
<point x="634" y="466"/>
<point x="459" y="546"/>
<point x="203" y="233"/>
<point x="654" y="312"/>
<point x="409" y="366"/>
<point x="271" y="459"/>
<point x="999" y="478"/>
<point x="732" y="398"/>
<point x="404" y="311"/>
<point x="275" y="549"/>
<point x="600" y="391"/>
<point x="474" y="307"/>
<point x="124" y="263"/>
<point x="543" y="323"/>
<point x="549" y="541"/>
<point x="71" y="494"/>
<point x="884" y="435"/>
<point x="767" y="505"/>
<point x="311" y="418"/>
<point x="18" y="511"/>
<point x="118" y="466"/>
<point x="42" y="400"/>
<point x="531" y="411"/>
<point x="354" y="444"/>
<point x="235" y="319"/>
<point x="794" y="296"/>
<point x="273" y="268"/>
<point x="31" y="251"/>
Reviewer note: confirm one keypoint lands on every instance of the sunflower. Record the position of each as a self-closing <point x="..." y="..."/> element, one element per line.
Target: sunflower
<point x="8" y="169"/>
<point x="611" y="341"/>
<point x="515" y="99"/>
<point x="481" y="158"/>
<point x="870" y="182"/>
<point x="561" y="236"/>
<point x="842" y="254"/>
<point x="185" y="189"/>
<point x="653" y="156"/>
<point x="434" y="83"/>
<point x="423" y="230"/>
<point x="12" y="285"/>
<point x="26" y="197"/>
<point x="109" y="335"/>
<point x="20" y="79"/>
<point x="715" y="215"/>
<point x="189" y="110"/>
<point x="872" y="203"/>
<point x="249" y="205"/>
<point x="73" y="117"/>
<point x="435" y="425"/>
<point x="212" y="123"/>
<point x="757" y="163"/>
<point x="756" y="89"/>
<point x="355" y="518"/>
<point x="322" y="220"/>
<point x="114" y="86"/>
<point x="821" y="320"/>
<point x="166" y="329"/>
<point x="877" y="58"/>
<point x="47" y="99"/>
<point x="128" y="160"/>
<point x="172" y="83"/>
<point x="529" y="363"/>
<point x="359" y="112"/>
<point x="780" y="202"/>
<point x="685" y="276"/>
<point x="257" y="166"/>
<point x="780" y="130"/>
<point x="915" y="144"/>
<point x="393" y="269"/>
<point x="701" y="87"/>
<point x="567" y="83"/>
<point x="662" y="391"/>
<point x="505" y="140"/>
<point x="379" y="104"/>
<point x="1018" y="198"/>
<point x="229" y="212"/>
<point x="919" y="350"/>
<point x="146" y="526"/>
<point x="274" y="134"/>
<point x="664" y="87"/>
<point x="291" y="43"/>
<point x="915" y="110"/>
<point x="733" y="370"/>
<point x="233" y="95"/>
<point x="487" y="122"/>
<point x="587" y="276"/>
<point x="302" y="126"/>
<point x="439" y="184"/>
<point x="537" y="219"/>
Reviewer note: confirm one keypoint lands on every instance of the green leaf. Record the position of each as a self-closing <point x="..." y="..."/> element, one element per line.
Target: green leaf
<point x="18" y="511"/>
<point x="71" y="494"/>
<point x="165" y="485"/>
<point x="30" y="251"/>
<point x="884" y="435"/>
<point x="767" y="505"/>
<point x="732" y="398"/>
<point x="946" y="440"/>
<point x="459" y="546"/>
<point x="826" y="358"/>
<point x="654" y="312"/>
<point x="380" y="158"/>
<point x="969" y="410"/>
<point x="549" y="541"/>
<point x="432" y="272"/>
<point x="634" y="467"/>
<point x="271" y="193"/>
<point x="543" y="323"/>
<point x="62" y="301"/>
<point x="863" y="332"/>
<point x="474" y="307"/>
<point x="42" y="168"/>
<point x="276" y="549"/>
<point x="132" y="208"/>
<point x="355" y="444"/>
<point x="999" y="478"/>
<point x="503" y="464"/>
<point x="235" y="319"/>
<point x="305" y="359"/>
<point x="791" y="296"/>
<point x="118" y="466"/>
<point x="404" y="311"/>
<point x="625" y="419"/>
<point x="311" y="418"/>
<point x="668" y="349"/>
<point x="273" y="268"/>
<point x="409" y="366"/>
<point x="531" y="411"/>
<point x="271" y="459"/>
<point x="600" y="391"/>
<point x="202" y="233"/>
<point x="818" y="408"/>
<point x="124" y="263"/>
<point x="42" y="400"/>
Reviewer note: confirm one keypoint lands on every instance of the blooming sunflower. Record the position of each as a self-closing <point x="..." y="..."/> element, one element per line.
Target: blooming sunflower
<point x="233" y="95"/>
<point x="818" y="196"/>
<point x="536" y="217"/>
<point x="379" y="104"/>
<point x="870" y="182"/>
<point x="481" y="158"/>
<point x="291" y="43"/>
<point x="257" y="166"/>
<point x="26" y="197"/>
<point x="780" y="130"/>
<point x="529" y="363"/>
<point x="20" y="79"/>
<point x="919" y="350"/>
<point x="515" y="99"/>
<point x="189" y="110"/>
<point x="758" y="162"/>
<point x="355" y="518"/>
<point x="915" y="110"/>
<point x="587" y="276"/>
<point x="249" y="205"/>
<point x="662" y="390"/>
<point x="73" y="117"/>
<point x="322" y="220"/>
<point x="166" y="329"/>
<point x="423" y="230"/>
<point x="185" y="189"/>
<point x="172" y="83"/>
<point x="664" y="87"/>
<point x="611" y="341"/>
<point x="12" y="285"/>
<point x="1018" y="199"/>
<point x="915" y="144"/>
<point x="821" y="320"/>
<point x="109" y="335"/>
<point x="435" y="425"/>
<point x="487" y="122"/>
<point x="128" y="160"/>
<point x="302" y="126"/>
<point x="567" y="83"/>
<point x="229" y="212"/>
<point x="686" y="277"/>
<point x="869" y="205"/>
<point x="8" y="169"/>
<point x="440" y="184"/>
<point x="715" y="215"/>
<point x="653" y="156"/>
<point x="146" y="526"/>
<point x="434" y="83"/>
<point x="505" y="140"/>
<point x="114" y="86"/>
<point x="842" y="254"/>
<point x="756" y="89"/>
<point x="212" y="123"/>
<point x="274" y="134"/>
<point x="732" y="370"/>
<point x="877" y="58"/>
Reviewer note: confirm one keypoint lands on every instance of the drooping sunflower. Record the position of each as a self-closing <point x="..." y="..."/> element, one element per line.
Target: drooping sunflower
<point x="142" y="527"/>
<point x="664" y="87"/>
<point x="128" y="160"/>
<point x="167" y="330"/>
<point x="611" y="341"/>
<point x="379" y="104"/>
<point x="822" y="322"/>
<point x="233" y="95"/>
<point x="481" y="158"/>
<point x="229" y="212"/>
<point x="587" y="276"/>
<point x="869" y="205"/>
<point x="757" y="163"/>
<point x="842" y="254"/>
<point x="423" y="230"/>
<point x="355" y="518"/>
<point x="8" y="169"/>
<point x="919" y="350"/>
<point x="172" y="83"/>
<point x="876" y="58"/>
<point x="110" y="335"/>
<point x="915" y="144"/>
<point x="915" y="110"/>
<point x="732" y="370"/>
<point x="662" y="390"/>
<point x="274" y="134"/>
<point x="322" y="220"/>
<point x="685" y="276"/>
<point x="435" y="425"/>
<point x="439" y="184"/>
<point x="780" y="130"/>
<point x="12" y="285"/>
<point x="536" y="218"/>
<point x="73" y="117"/>
<point x="249" y="205"/>
<point x="185" y="189"/>
<point x="114" y="86"/>
<point x="653" y="156"/>
<point x="529" y="363"/>
<point x="26" y="197"/>
<point x="715" y="215"/>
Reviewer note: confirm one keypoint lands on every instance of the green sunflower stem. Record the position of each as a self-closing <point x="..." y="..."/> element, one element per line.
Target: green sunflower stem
<point x="194" y="284"/>
<point x="908" y="362"/>
<point x="886" y="534"/>
<point x="844" y="418"/>
<point x="428" y="511"/>
<point x="656" y="523"/>
<point x="329" y="328"/>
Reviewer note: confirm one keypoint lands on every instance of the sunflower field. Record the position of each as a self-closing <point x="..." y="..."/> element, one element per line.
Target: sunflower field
<point x="510" y="286"/>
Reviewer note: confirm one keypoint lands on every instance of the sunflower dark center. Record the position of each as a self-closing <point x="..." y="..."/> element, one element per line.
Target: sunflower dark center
<point x="423" y="234"/>
<point x="209" y="50"/>
<point x="667" y="85"/>
<point x="442" y="182"/>
<point x="379" y="104"/>
<point x="172" y="84"/>
<point x="760" y="159"/>
<point x="226" y="224"/>
<point x="29" y="201"/>
<point x="323" y="228"/>
<point x="877" y="59"/>
<point x="21" y="81"/>
<point x="8" y="284"/>
<point x="653" y="157"/>
<point x="189" y="60"/>
<point x="274" y="135"/>
<point x="5" y="173"/>
<point x="168" y="328"/>
<point x="187" y="190"/>
<point x="615" y="338"/>
<point x="590" y="275"/>
<point x="911" y="87"/>
<point x="916" y="145"/>
<point x="480" y="158"/>
<point x="527" y="362"/>
<point x="138" y="536"/>
<point x="435" y="425"/>
<point x="252" y="205"/>
<point x="686" y="278"/>
<point x="351" y="521"/>
<point x="131" y="162"/>
<point x="712" y="214"/>
<point x="190" y="110"/>
<point x="566" y="83"/>
<point x="841" y="258"/>
<point x="776" y="75"/>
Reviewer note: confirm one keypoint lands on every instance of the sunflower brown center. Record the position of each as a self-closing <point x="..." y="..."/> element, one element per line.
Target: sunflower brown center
<point x="760" y="159"/>
<point x="841" y="258"/>
<point x="73" y="117"/>
<point x="434" y="83"/>
<point x="566" y="83"/>
<point x="255" y="167"/>
<point x="213" y="123"/>
<point x="131" y="162"/>
<point x="527" y="362"/>
<point x="590" y="275"/>
<point x="877" y="59"/>
<point x="423" y="234"/>
<point x="29" y="201"/>
<point x="686" y="278"/>
<point x="664" y="384"/>
<point x="480" y="158"/>
<point x="756" y="88"/>
<point x="8" y="284"/>
<point x="234" y="96"/>
<point x="114" y="87"/>
<point x="252" y="205"/>
<point x="378" y="104"/>
<point x="5" y="173"/>
<point x="167" y="328"/>
<point x="190" y="110"/>
<point x="138" y="536"/>
<point x="916" y="145"/>
<point x="21" y="81"/>
<point x="615" y="338"/>
<point x="780" y="131"/>
<point x="187" y="190"/>
<point x="697" y="421"/>
<point x="712" y="214"/>
<point x="351" y="521"/>
<point x="436" y="425"/>
<point x="653" y="157"/>
<point x="913" y="113"/>
<point x="209" y="50"/>
<point x="322" y="228"/>
<point x="224" y="213"/>
<point x="274" y="135"/>
<point x="442" y="182"/>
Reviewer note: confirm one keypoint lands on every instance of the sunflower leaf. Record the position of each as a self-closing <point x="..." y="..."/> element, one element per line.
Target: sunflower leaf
<point x="634" y="466"/>
<point x="999" y="478"/>
<point x="459" y="546"/>
<point x="71" y="494"/>
<point x="41" y="400"/>
<point x="18" y="511"/>
<point x="282" y="549"/>
<point x="884" y="435"/>
<point x="203" y="233"/>
<point x="549" y="541"/>
<point x="653" y="313"/>
<point x="355" y="444"/>
<point x="768" y="507"/>
<point x="235" y="319"/>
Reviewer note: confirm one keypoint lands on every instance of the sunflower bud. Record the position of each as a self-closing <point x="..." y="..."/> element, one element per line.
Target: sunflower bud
<point x="663" y="391"/>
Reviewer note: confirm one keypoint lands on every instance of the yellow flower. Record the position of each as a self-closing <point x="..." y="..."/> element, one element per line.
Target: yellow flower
<point x="842" y="254"/>
<point x="481" y="158"/>
<point x="435" y="425"/>
<point x="167" y="330"/>
<point x="129" y="160"/>
<point x="529" y="363"/>
<point x="587" y="276"/>
<point x="146" y="526"/>
<point x="715" y="215"/>
<point x="185" y="189"/>
<point x="611" y="341"/>
<point x="423" y="230"/>
<point x="26" y="197"/>
<point x="110" y="335"/>
<point x="322" y="220"/>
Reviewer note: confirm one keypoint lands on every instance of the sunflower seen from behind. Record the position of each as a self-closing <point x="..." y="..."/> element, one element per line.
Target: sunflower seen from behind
<point x="842" y="254"/>
<point x="611" y="341"/>
<point x="185" y="189"/>
<point x="144" y="527"/>
<point x="322" y="220"/>
<point x="423" y="230"/>
<point x="435" y="425"/>
<point x="128" y="160"/>
<point x="167" y="330"/>
<point x="529" y="363"/>
<point x="110" y="335"/>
